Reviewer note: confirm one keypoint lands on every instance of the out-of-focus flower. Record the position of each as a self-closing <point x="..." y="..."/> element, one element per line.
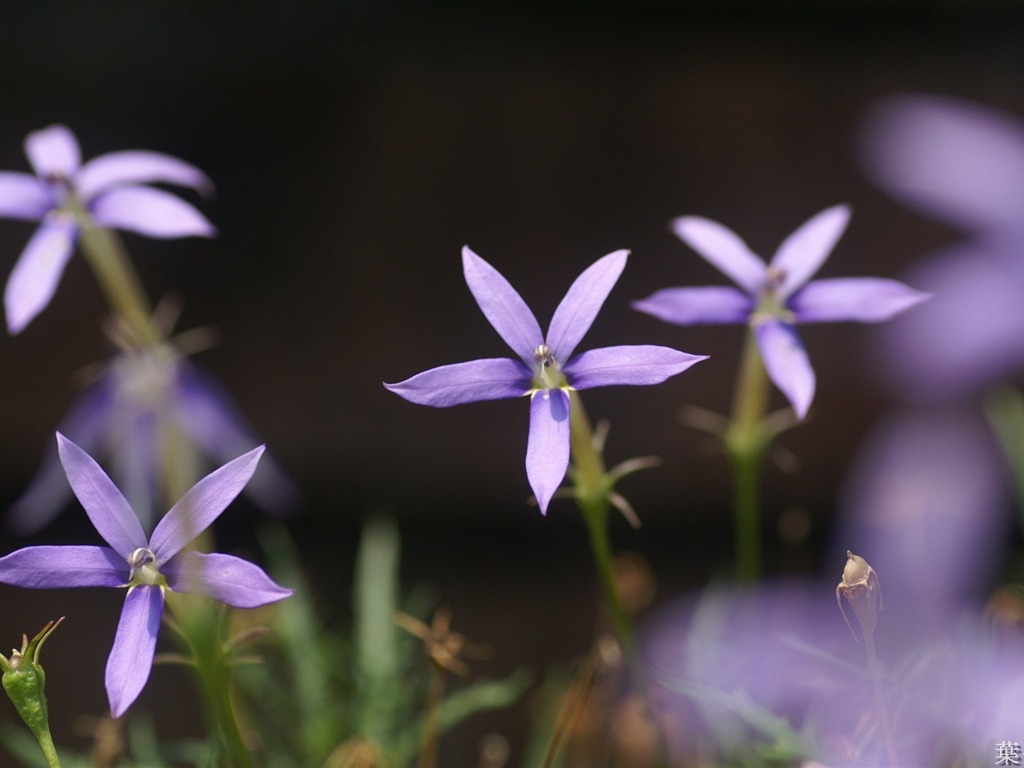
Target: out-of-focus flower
<point x="65" y="195"/>
<point x="777" y="295"/>
<point x="146" y="567"/>
<point x="773" y="669"/>
<point x="151" y="410"/>
<point x="963" y="164"/>
<point x="547" y="369"/>
<point x="927" y="498"/>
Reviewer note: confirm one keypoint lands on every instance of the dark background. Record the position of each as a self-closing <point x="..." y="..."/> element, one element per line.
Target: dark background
<point x="356" y="147"/>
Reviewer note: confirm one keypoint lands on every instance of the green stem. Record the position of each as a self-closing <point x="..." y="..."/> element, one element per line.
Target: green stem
<point x="199" y="622"/>
<point x="883" y="709"/>
<point x="592" y="488"/>
<point x="746" y="439"/>
<point x="118" y="280"/>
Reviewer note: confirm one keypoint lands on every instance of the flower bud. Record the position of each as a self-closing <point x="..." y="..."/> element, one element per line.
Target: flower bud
<point x="863" y="591"/>
<point x="24" y="681"/>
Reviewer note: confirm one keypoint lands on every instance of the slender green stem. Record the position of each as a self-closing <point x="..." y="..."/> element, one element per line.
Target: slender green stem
<point x="118" y="280"/>
<point x="199" y="621"/>
<point x="592" y="489"/>
<point x="746" y="439"/>
<point x="880" y="703"/>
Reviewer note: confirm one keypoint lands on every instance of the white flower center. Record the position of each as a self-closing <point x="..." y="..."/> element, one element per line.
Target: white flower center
<point x="144" y="569"/>
<point x="547" y="374"/>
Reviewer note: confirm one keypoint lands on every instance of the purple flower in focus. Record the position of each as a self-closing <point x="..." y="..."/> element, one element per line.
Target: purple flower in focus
<point x="777" y="295"/>
<point x="145" y="567"/>
<point x="64" y="195"/>
<point x="963" y="164"/>
<point x="151" y="408"/>
<point x="547" y="369"/>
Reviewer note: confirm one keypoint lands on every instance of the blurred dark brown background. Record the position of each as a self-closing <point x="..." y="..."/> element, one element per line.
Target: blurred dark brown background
<point x="357" y="146"/>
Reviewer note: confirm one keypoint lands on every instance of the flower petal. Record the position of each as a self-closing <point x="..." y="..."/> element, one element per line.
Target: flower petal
<point x="104" y="504"/>
<point x="861" y="299"/>
<point x="48" y="491"/>
<point x="201" y="505"/>
<point x="693" y="306"/>
<point x="60" y="567"/>
<point x="229" y="579"/>
<point x="547" y="448"/>
<point x="53" y="151"/>
<point x="35" y="276"/>
<point x="213" y="422"/>
<point x="786" y="362"/>
<point x="803" y="252"/>
<point x="722" y="248"/>
<point x="503" y="307"/>
<point x="23" y="196"/>
<point x="150" y="212"/>
<point x="471" y="382"/>
<point x="131" y="658"/>
<point x="116" y="169"/>
<point x="951" y="158"/>
<point x="637" y="364"/>
<point x="576" y="312"/>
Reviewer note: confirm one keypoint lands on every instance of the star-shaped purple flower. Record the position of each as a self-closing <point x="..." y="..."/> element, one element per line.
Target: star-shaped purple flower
<point x="145" y="567"/>
<point x="777" y="295"/>
<point x="151" y="406"/>
<point x="547" y="369"/>
<point x="65" y="194"/>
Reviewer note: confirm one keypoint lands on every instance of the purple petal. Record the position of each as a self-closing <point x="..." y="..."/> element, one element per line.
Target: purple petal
<point x="49" y="491"/>
<point x="722" y="248"/>
<point x="213" y="422"/>
<point x="860" y="299"/>
<point x="23" y="196"/>
<point x="60" y="567"/>
<point x="960" y="161"/>
<point x="150" y="212"/>
<point x="53" y="151"/>
<point x="803" y="252"/>
<point x="786" y="362"/>
<point x="547" y="448"/>
<point x="107" y="508"/>
<point x="131" y="658"/>
<point x="491" y="379"/>
<point x="35" y="276"/>
<point x="640" y="365"/>
<point x="201" y="505"/>
<point x="693" y="306"/>
<point x="230" y="580"/>
<point x="503" y="307"/>
<point x="576" y="312"/>
<point x="969" y="335"/>
<point x="117" y="169"/>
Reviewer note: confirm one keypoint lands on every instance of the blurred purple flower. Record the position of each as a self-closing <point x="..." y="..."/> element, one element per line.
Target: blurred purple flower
<point x="145" y="567"/>
<point x="151" y="409"/>
<point x="65" y="195"/>
<point x="777" y="295"/>
<point x="926" y="502"/>
<point x="547" y="370"/>
<point x="963" y="164"/>
<point x="774" y="667"/>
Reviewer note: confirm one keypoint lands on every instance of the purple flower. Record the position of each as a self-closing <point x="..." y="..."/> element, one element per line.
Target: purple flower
<point x="547" y="370"/>
<point x="151" y="408"/>
<point x="65" y="195"/>
<point x="964" y="164"/>
<point x="776" y="296"/>
<point x="145" y="567"/>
